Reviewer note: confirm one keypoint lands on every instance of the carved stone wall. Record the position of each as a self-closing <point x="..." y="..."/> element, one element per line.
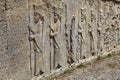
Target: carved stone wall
<point x="72" y="30"/>
<point x="14" y="40"/>
<point x="38" y="37"/>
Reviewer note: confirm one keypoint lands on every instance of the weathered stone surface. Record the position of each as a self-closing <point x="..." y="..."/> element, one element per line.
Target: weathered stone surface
<point x="14" y="42"/>
<point x="38" y="37"/>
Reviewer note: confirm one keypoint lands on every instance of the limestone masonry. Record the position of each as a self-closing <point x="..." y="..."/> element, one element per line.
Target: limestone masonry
<point x="38" y="37"/>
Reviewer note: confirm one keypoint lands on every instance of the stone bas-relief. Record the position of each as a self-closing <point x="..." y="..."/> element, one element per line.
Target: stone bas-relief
<point x="38" y="37"/>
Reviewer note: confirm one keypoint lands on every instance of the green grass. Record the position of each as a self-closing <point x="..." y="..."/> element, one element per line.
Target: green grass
<point x="98" y="58"/>
<point x="66" y="71"/>
<point x="71" y="70"/>
<point x="109" y="55"/>
<point x="113" y="54"/>
<point x="81" y="65"/>
<point x="111" y="65"/>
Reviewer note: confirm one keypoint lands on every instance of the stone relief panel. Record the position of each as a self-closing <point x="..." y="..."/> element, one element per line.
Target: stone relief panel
<point x="38" y="37"/>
